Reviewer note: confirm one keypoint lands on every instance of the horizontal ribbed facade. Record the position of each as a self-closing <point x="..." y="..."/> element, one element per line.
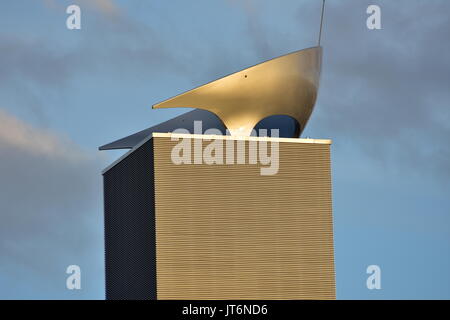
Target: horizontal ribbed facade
<point x="228" y="232"/>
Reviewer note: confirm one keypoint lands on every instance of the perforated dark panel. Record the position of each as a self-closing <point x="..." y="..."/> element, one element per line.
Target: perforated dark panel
<point x="130" y="227"/>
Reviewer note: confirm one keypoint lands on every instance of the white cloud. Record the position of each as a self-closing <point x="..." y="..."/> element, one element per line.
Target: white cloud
<point x="107" y="7"/>
<point x="50" y="213"/>
<point x="22" y="137"/>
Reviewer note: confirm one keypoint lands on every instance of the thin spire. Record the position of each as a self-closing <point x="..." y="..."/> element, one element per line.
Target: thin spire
<point x="321" y="21"/>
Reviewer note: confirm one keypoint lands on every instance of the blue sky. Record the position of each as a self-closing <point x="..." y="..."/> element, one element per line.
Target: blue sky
<point x="384" y="101"/>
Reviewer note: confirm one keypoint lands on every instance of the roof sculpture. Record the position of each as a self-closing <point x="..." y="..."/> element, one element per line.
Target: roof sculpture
<point x="277" y="94"/>
<point x="286" y="85"/>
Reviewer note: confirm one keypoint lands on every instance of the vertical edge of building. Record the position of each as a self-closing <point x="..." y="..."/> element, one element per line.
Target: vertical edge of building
<point x="129" y="222"/>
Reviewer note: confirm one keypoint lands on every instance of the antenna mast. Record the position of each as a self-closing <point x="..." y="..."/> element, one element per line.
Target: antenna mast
<point x="321" y="21"/>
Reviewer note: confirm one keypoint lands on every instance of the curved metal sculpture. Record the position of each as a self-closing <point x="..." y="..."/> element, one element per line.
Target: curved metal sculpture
<point x="286" y="85"/>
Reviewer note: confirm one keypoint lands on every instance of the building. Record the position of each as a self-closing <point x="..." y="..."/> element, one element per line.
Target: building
<point x="212" y="228"/>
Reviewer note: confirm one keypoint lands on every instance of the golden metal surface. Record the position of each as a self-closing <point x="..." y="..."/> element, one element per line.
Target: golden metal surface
<point x="286" y="85"/>
<point x="226" y="232"/>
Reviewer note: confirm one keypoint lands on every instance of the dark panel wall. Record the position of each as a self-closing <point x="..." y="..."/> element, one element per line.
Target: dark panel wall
<point x="130" y="261"/>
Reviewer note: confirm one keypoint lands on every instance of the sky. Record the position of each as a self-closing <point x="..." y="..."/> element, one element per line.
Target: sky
<point x="384" y="100"/>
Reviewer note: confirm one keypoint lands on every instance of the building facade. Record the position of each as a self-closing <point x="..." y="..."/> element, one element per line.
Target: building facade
<point x="223" y="230"/>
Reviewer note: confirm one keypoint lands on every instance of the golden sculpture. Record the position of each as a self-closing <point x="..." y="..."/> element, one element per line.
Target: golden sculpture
<point x="286" y="85"/>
